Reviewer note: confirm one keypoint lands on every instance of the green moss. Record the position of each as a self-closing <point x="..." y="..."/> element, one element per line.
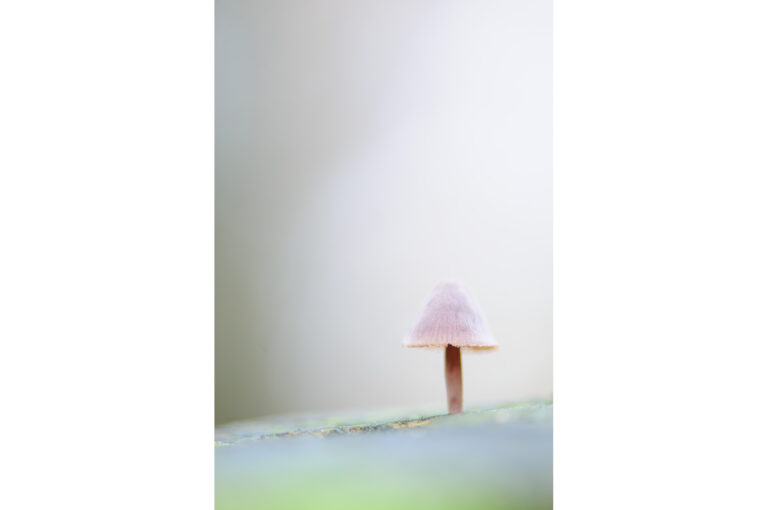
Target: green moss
<point x="491" y="458"/>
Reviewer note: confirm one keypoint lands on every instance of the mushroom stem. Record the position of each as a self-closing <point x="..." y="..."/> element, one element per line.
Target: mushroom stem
<point x="453" y="378"/>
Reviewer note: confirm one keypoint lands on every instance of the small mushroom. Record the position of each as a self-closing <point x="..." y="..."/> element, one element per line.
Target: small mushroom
<point x="451" y="319"/>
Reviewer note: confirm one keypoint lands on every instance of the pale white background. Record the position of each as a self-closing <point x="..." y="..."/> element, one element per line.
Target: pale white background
<point x="365" y="151"/>
<point x="106" y="337"/>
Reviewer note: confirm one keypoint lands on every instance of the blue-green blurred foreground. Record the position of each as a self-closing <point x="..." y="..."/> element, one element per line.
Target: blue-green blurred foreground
<point x="489" y="458"/>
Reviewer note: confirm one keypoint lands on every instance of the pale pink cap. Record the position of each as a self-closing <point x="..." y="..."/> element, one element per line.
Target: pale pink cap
<point x="450" y="317"/>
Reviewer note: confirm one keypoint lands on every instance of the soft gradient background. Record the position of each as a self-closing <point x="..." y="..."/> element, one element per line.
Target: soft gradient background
<point x="365" y="151"/>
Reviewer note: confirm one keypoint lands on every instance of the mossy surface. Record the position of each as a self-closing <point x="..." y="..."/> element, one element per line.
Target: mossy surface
<point x="492" y="457"/>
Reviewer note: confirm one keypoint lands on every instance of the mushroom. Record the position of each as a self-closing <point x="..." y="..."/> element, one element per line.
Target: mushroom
<point x="451" y="319"/>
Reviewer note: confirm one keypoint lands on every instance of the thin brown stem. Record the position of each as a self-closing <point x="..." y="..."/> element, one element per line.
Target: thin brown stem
<point x="453" y="378"/>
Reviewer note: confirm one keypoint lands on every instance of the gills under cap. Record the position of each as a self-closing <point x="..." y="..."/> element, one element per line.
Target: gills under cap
<point x="450" y="317"/>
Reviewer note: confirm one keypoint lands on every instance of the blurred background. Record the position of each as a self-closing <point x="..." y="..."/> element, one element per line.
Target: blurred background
<point x="366" y="151"/>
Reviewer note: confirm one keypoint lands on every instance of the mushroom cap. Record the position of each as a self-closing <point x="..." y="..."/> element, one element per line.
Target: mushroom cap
<point x="450" y="317"/>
